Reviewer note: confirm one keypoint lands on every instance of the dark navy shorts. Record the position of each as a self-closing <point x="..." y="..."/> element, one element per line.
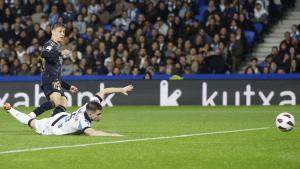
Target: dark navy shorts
<point x="49" y="87"/>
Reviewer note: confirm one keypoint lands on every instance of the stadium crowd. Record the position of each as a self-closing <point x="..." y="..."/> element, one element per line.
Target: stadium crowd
<point x="285" y="59"/>
<point x="113" y="37"/>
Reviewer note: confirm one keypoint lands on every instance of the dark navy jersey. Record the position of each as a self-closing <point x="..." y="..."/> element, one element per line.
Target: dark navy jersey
<point x="51" y="60"/>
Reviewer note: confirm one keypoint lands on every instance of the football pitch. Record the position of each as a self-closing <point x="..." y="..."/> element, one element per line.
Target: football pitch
<point x="186" y="137"/>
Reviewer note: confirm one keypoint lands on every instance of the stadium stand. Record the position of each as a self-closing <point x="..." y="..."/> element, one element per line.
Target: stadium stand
<point x="167" y="37"/>
<point x="280" y="51"/>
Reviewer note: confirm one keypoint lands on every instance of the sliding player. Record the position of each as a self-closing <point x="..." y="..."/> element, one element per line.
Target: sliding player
<point x="64" y="123"/>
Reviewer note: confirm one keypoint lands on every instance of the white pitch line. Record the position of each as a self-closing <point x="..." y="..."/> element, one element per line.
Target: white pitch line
<point x="133" y="140"/>
<point x="209" y="111"/>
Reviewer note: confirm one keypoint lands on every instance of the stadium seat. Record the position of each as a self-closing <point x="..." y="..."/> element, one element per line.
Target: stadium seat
<point x="201" y="3"/>
<point x="242" y="2"/>
<point x="258" y="27"/>
<point x="249" y="36"/>
<point x="199" y="18"/>
<point x="107" y="27"/>
<point x="201" y="11"/>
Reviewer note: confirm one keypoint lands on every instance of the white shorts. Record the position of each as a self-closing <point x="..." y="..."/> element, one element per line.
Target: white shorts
<point x="44" y="126"/>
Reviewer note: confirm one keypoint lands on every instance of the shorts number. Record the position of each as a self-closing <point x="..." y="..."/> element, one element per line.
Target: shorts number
<point x="56" y="85"/>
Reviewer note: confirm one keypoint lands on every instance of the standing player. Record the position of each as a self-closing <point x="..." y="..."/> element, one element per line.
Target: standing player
<point x="64" y="123"/>
<point x="52" y="83"/>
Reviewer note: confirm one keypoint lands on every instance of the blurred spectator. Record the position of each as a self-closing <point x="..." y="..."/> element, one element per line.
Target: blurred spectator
<point x="281" y="71"/>
<point x="68" y="67"/>
<point x="135" y="71"/>
<point x="273" y="67"/>
<point x="36" y="17"/>
<point x="29" y="7"/>
<point x="6" y="34"/>
<point x="195" y="69"/>
<point x="147" y="76"/>
<point x="24" y="69"/>
<point x="260" y="13"/>
<point x="266" y="70"/>
<point x="235" y="51"/>
<point x="4" y="70"/>
<point x="93" y="8"/>
<point x="249" y="70"/>
<point x="15" y="68"/>
<point x="69" y="15"/>
<point x="244" y="23"/>
<point x="295" y="34"/>
<point x="53" y="16"/>
<point x="80" y="24"/>
<point x="211" y="10"/>
<point x="215" y="62"/>
<point x="17" y="10"/>
<point x="162" y="11"/>
<point x="8" y="16"/>
<point x="253" y="65"/>
<point x="286" y="62"/>
<point x="293" y="52"/>
<point x="161" y="26"/>
<point x="294" y="68"/>
<point x="122" y="22"/>
<point x="287" y="40"/>
<point x="132" y="11"/>
<point x="266" y="62"/>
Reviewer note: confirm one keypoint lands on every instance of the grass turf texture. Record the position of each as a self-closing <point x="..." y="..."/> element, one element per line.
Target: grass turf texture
<point x="260" y="149"/>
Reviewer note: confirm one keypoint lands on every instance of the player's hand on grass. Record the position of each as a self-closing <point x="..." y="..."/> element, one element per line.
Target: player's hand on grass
<point x="73" y="89"/>
<point x="127" y="89"/>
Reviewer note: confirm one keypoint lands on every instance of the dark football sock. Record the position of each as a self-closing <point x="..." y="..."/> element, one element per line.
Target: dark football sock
<point x="43" y="107"/>
<point x="58" y="109"/>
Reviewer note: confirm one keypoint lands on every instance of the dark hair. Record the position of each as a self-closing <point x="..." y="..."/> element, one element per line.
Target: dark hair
<point x="249" y="67"/>
<point x="93" y="106"/>
<point x="58" y="24"/>
<point x="149" y="74"/>
<point x="254" y="59"/>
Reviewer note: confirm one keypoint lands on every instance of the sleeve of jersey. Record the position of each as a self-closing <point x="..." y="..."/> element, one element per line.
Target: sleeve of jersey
<point x="83" y="125"/>
<point x="48" y="54"/>
<point x="65" y="85"/>
<point x="97" y="99"/>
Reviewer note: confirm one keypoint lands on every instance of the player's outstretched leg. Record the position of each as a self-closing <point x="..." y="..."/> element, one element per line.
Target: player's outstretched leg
<point x="41" y="109"/>
<point x="21" y="117"/>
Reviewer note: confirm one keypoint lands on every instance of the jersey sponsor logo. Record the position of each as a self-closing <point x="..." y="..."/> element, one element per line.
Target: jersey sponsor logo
<point x="48" y="48"/>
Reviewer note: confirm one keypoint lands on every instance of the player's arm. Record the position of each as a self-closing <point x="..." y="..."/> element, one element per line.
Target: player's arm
<point x="93" y="132"/>
<point x="48" y="54"/>
<point x="71" y="88"/>
<point x="109" y="90"/>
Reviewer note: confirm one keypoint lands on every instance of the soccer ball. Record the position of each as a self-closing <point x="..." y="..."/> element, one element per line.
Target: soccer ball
<point x="285" y="121"/>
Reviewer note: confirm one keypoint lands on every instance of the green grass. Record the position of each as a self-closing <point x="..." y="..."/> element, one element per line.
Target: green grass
<point x="261" y="149"/>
